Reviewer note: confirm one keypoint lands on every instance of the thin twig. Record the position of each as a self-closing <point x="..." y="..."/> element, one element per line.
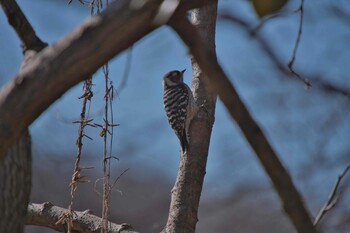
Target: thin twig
<point x="66" y="218"/>
<point x="116" y="180"/>
<point x="268" y="49"/>
<point x="254" y="32"/>
<point x="106" y="162"/>
<point x="126" y="70"/>
<point x="301" y="16"/>
<point x="81" y="1"/>
<point x="296" y="46"/>
<point x="24" y="30"/>
<point x="263" y="21"/>
<point x="340" y="11"/>
<point x="333" y="197"/>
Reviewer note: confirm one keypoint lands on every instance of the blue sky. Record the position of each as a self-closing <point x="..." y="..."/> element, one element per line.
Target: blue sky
<point x="304" y="126"/>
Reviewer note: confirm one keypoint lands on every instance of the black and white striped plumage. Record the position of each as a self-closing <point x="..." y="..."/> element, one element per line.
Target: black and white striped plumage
<point x="179" y="105"/>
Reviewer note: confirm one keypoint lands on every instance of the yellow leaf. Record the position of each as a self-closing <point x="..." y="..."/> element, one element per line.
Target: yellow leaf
<point x="267" y="7"/>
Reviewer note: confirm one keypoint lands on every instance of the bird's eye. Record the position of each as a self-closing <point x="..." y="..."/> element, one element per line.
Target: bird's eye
<point x="174" y="74"/>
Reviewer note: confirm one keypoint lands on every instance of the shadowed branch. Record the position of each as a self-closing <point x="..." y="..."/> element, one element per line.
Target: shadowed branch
<point x="290" y="197"/>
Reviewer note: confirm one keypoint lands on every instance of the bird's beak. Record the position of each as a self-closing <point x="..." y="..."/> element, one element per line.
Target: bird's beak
<point x="182" y="75"/>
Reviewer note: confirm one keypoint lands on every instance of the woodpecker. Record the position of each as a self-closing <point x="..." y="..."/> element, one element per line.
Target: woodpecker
<point x="179" y="105"/>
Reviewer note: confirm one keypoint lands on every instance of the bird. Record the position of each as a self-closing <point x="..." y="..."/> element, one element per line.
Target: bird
<point x="179" y="105"/>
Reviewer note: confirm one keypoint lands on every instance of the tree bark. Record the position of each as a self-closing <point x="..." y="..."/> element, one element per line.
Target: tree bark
<point x="15" y="185"/>
<point x="47" y="215"/>
<point x="74" y="59"/>
<point x="61" y="66"/>
<point x="25" y="31"/>
<point x="291" y="199"/>
<point x="15" y="168"/>
<point x="186" y="193"/>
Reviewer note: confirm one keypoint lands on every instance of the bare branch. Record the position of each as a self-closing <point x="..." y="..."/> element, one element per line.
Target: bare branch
<point x="15" y="185"/>
<point x="77" y="177"/>
<point x="333" y="197"/>
<point x="317" y="81"/>
<point x="267" y="18"/>
<point x="187" y="190"/>
<point x="290" y="197"/>
<point x="59" y="67"/>
<point x="20" y="24"/>
<point x="47" y="215"/>
<point x="126" y="70"/>
<point x="296" y="46"/>
<point x="267" y="48"/>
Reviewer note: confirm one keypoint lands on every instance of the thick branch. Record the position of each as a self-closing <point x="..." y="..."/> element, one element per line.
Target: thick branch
<point x="187" y="190"/>
<point x="15" y="185"/>
<point x="291" y="199"/>
<point x="73" y="59"/>
<point x="61" y="66"/>
<point x="20" y="24"/>
<point x="47" y="215"/>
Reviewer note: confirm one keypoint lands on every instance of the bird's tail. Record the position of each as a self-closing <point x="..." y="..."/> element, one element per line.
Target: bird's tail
<point x="184" y="142"/>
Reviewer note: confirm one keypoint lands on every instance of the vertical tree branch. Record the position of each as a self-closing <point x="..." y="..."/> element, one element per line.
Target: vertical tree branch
<point x="15" y="168"/>
<point x="186" y="193"/>
<point x="290" y="197"/>
<point x="15" y="185"/>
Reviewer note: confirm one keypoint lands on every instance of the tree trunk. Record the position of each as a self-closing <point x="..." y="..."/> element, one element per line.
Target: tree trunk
<point x="15" y="185"/>
<point x="186" y="193"/>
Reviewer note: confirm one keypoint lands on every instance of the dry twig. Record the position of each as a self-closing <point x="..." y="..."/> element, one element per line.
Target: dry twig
<point x="333" y="197"/>
<point x="126" y="70"/>
<point x="296" y="46"/>
<point x="266" y="47"/>
<point x="83" y="122"/>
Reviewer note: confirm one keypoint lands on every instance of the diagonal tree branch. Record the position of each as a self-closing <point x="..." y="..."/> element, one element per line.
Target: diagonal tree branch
<point x="316" y="80"/>
<point x="75" y="58"/>
<point x="48" y="215"/>
<point x="185" y="195"/>
<point x="333" y="197"/>
<point x="290" y="197"/>
<point x="24" y="30"/>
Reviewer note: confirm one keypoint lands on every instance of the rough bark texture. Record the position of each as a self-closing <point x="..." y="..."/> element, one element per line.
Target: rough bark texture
<point x="186" y="193"/>
<point x="20" y="24"/>
<point x="83" y="221"/>
<point x="75" y="58"/>
<point x="289" y="195"/>
<point x="59" y="67"/>
<point x="15" y="185"/>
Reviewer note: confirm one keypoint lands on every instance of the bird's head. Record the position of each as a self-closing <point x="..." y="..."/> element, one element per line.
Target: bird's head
<point x="173" y="78"/>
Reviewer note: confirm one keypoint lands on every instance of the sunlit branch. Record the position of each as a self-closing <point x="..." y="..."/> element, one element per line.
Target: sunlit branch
<point x="47" y="215"/>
